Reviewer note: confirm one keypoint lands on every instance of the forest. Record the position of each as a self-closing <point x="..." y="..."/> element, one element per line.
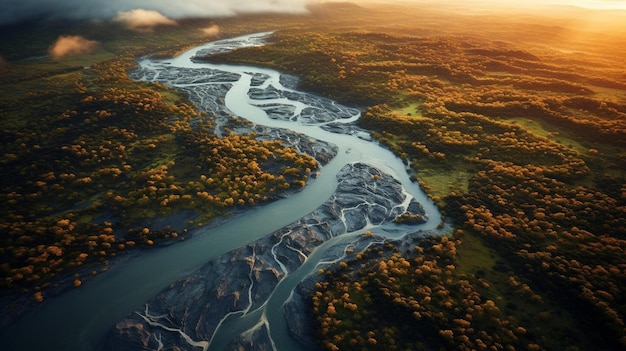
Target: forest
<point x="514" y="125"/>
<point x="94" y="164"/>
<point x="520" y="142"/>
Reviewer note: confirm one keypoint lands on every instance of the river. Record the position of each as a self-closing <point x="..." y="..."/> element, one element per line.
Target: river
<point x="80" y="318"/>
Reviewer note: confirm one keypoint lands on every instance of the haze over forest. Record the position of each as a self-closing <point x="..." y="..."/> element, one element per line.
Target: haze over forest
<point x="42" y="10"/>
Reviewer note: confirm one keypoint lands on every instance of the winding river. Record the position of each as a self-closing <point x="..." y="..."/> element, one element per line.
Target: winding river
<point x="81" y="318"/>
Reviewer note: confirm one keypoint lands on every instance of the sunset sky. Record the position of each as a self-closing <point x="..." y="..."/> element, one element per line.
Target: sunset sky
<point x="15" y="12"/>
<point x="599" y="4"/>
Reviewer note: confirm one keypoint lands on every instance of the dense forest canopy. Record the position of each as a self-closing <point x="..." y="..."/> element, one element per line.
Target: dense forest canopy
<point x="515" y="125"/>
<point x="93" y="162"/>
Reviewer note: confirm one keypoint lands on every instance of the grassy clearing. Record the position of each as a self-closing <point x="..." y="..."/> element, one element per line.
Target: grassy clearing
<point x="608" y="155"/>
<point x="441" y="182"/>
<point x="410" y="110"/>
<point x="551" y="132"/>
<point x="474" y="256"/>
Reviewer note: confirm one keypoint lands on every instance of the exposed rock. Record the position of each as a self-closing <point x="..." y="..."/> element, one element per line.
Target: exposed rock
<point x="278" y="111"/>
<point x="297" y="313"/>
<point x="181" y="75"/>
<point x="415" y="214"/>
<point x="319" y="110"/>
<point x="188" y="312"/>
<point x="258" y="78"/>
<point x="130" y="335"/>
<point x="322" y="151"/>
<point x="350" y="129"/>
<point x="268" y="93"/>
<point x="257" y="340"/>
<point x="289" y="81"/>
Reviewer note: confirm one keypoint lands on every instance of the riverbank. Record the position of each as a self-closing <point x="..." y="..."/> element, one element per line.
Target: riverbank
<point x="17" y="304"/>
<point x="148" y="274"/>
<point x="192" y="311"/>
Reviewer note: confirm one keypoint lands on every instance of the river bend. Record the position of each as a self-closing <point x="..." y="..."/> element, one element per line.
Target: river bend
<point x="263" y="253"/>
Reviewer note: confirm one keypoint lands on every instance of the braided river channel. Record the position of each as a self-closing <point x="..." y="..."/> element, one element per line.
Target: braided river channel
<point x="226" y="285"/>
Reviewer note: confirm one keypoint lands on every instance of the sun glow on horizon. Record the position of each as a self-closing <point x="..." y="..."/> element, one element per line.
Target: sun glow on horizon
<point x="586" y="4"/>
<point x="598" y="5"/>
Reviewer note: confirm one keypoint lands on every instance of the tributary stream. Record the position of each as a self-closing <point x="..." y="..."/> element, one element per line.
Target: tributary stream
<point x="80" y="318"/>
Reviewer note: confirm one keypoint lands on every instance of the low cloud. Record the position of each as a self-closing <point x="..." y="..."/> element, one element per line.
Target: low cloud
<point x="12" y="12"/>
<point x="142" y="20"/>
<point x="211" y="31"/>
<point x="71" y="45"/>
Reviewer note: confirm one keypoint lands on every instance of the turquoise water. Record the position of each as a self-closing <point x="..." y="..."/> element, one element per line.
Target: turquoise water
<point x="80" y="318"/>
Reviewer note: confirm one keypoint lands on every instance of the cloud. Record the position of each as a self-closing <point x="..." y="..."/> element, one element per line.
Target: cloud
<point x="12" y="12"/>
<point x="142" y="20"/>
<point x="211" y="31"/>
<point x="71" y="45"/>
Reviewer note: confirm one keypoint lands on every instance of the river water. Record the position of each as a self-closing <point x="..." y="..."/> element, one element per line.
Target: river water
<point x="80" y="318"/>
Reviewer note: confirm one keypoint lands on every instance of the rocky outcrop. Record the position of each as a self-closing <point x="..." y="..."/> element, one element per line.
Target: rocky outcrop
<point x="182" y="75"/>
<point x="187" y="314"/>
<point x="191" y="309"/>
<point x="318" y="109"/>
<point x="257" y="339"/>
<point x="322" y="151"/>
<point x="297" y="313"/>
<point x="349" y="129"/>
